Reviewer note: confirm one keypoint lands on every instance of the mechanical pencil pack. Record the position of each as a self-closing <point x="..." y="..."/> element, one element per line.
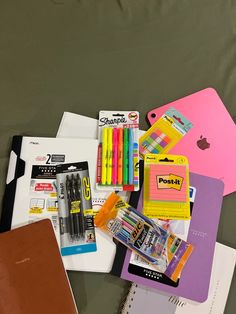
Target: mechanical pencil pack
<point x="161" y="248"/>
<point x="77" y="232"/>
<point x="165" y="133"/>
<point x="166" y="187"/>
<point x="118" y="151"/>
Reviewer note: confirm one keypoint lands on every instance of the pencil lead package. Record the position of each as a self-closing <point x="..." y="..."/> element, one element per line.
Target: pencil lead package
<point x="161" y="248"/>
<point x="118" y="151"/>
<point x="77" y="232"/>
<point x="166" y="187"/>
<point x="165" y="133"/>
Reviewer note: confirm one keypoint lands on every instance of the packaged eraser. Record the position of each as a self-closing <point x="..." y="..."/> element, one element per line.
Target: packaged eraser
<point x="166" y="187"/>
<point x="118" y="151"/>
<point x="161" y="248"/>
<point x="165" y="133"/>
<point x="77" y="232"/>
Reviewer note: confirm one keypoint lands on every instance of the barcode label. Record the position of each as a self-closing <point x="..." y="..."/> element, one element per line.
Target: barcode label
<point x="55" y="221"/>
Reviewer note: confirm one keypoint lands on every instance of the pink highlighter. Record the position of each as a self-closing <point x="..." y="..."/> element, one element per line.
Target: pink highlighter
<point x="115" y="156"/>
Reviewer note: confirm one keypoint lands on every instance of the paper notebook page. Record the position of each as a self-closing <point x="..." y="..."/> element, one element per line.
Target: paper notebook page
<point x="75" y="125"/>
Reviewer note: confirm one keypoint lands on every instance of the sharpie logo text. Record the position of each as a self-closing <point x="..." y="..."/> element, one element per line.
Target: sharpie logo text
<point x="105" y="121"/>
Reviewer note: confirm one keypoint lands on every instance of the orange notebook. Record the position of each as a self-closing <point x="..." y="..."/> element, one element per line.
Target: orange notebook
<point x="32" y="276"/>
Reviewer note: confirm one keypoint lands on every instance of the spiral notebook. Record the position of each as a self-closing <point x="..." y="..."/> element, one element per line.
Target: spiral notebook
<point x="145" y="300"/>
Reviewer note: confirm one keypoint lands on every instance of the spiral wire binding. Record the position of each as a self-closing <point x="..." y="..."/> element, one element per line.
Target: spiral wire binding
<point x="128" y="299"/>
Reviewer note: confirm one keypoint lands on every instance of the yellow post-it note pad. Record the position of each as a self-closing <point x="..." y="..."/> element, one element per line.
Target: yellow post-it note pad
<point x="166" y="187"/>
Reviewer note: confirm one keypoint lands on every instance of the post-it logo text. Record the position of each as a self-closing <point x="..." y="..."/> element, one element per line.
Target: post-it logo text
<point x="170" y="181"/>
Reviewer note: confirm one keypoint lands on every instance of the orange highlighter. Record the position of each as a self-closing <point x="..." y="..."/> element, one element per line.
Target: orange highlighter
<point x="120" y="156"/>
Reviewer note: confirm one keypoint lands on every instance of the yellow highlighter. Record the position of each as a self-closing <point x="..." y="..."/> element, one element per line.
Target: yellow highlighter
<point x="104" y="155"/>
<point x="109" y="154"/>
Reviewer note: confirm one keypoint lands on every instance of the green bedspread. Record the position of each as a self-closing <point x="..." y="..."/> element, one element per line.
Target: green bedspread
<point x="86" y="55"/>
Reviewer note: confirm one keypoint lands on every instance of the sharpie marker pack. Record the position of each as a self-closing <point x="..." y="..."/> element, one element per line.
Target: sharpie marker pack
<point x="166" y="187"/>
<point x="77" y="233"/>
<point x="161" y="248"/>
<point x="165" y="133"/>
<point x="118" y="151"/>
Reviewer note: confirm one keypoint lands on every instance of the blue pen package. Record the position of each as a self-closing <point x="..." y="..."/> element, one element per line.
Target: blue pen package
<point x="77" y="232"/>
<point x="161" y="248"/>
<point x="118" y="151"/>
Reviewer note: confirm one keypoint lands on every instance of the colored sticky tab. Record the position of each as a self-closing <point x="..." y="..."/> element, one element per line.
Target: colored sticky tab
<point x="166" y="187"/>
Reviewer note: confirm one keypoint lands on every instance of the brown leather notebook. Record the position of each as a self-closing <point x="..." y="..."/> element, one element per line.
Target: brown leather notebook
<point x="32" y="276"/>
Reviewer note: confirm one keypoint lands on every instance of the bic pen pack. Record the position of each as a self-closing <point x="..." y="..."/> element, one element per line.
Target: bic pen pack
<point x="166" y="186"/>
<point x="77" y="232"/>
<point x="162" y="249"/>
<point x="117" y="162"/>
<point x="165" y="133"/>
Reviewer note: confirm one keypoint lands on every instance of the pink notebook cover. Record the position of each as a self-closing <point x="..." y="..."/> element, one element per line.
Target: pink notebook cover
<point x="211" y="143"/>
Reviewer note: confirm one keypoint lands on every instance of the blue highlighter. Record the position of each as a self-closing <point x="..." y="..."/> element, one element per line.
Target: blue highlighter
<point x="131" y="156"/>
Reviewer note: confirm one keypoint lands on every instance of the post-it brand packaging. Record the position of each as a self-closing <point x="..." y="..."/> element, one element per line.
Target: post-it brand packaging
<point x="118" y="151"/>
<point x="161" y="248"/>
<point x="166" y="187"/>
<point x="77" y="233"/>
<point x="165" y="133"/>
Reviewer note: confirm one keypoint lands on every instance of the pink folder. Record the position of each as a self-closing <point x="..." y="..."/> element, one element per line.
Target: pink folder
<point x="210" y="145"/>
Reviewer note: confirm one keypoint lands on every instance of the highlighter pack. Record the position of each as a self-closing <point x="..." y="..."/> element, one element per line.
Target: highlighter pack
<point x="166" y="187"/>
<point x="162" y="249"/>
<point x="118" y="151"/>
<point x="77" y="232"/>
<point x="165" y="133"/>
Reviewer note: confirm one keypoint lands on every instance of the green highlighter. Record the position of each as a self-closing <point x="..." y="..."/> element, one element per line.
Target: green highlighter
<point x="126" y="156"/>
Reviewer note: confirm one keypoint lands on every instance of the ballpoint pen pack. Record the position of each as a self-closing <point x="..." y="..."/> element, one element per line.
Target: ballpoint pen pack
<point x="166" y="187"/>
<point x="118" y="151"/>
<point x="161" y="248"/>
<point x="165" y="133"/>
<point x="77" y="232"/>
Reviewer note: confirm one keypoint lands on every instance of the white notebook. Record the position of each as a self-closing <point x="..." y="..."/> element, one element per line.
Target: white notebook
<point x="142" y="300"/>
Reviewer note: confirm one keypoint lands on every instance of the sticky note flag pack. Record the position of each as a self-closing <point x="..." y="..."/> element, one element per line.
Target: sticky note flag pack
<point x="165" y="133"/>
<point x="118" y="151"/>
<point x="162" y="249"/>
<point x="166" y="187"/>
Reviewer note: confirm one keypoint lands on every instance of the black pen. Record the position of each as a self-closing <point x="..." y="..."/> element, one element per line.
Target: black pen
<point x="77" y="206"/>
<point x="80" y="215"/>
<point x="69" y="202"/>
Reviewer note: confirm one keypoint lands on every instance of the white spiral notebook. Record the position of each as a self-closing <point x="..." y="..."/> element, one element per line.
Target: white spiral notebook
<point x="145" y="300"/>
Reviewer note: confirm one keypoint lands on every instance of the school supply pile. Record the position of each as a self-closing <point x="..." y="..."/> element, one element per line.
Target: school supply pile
<point x="101" y="180"/>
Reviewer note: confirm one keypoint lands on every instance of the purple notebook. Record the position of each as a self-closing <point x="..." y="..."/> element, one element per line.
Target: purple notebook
<point x="194" y="281"/>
